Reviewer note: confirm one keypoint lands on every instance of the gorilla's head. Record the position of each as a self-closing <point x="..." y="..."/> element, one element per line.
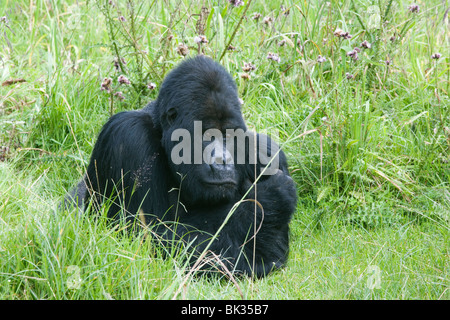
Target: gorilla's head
<point x="197" y="103"/>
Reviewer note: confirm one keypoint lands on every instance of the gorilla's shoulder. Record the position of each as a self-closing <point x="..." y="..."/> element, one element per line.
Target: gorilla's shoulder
<point x="131" y="124"/>
<point x="148" y="108"/>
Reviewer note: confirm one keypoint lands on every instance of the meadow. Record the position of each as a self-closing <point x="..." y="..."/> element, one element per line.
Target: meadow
<point x="356" y="93"/>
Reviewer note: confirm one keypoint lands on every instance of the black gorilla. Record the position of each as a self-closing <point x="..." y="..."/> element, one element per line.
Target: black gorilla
<point x="139" y="164"/>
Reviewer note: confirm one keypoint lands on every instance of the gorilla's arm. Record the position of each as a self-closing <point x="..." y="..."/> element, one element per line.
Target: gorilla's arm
<point x="75" y="198"/>
<point x="129" y="166"/>
<point x="268" y="209"/>
<point x="268" y="213"/>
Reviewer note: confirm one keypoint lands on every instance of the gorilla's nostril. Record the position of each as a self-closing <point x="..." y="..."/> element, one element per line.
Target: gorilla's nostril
<point x="217" y="159"/>
<point x="221" y="167"/>
<point x="218" y="154"/>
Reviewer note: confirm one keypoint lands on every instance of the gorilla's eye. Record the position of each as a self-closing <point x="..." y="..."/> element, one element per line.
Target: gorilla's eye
<point x="171" y="115"/>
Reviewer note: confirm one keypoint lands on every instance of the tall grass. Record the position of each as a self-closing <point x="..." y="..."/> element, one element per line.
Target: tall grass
<point x="367" y="140"/>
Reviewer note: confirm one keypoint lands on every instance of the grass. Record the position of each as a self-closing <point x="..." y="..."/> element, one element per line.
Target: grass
<point x="367" y="141"/>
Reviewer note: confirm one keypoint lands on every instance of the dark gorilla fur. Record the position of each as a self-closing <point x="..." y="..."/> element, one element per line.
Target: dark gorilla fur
<point x="131" y="166"/>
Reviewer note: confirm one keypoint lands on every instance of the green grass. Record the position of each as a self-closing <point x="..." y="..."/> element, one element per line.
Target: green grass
<point x="370" y="155"/>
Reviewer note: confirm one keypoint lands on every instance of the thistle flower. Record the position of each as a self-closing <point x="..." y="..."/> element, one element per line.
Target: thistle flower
<point x="248" y="67"/>
<point x="106" y="85"/>
<point x="4" y="150"/>
<point x="119" y="95"/>
<point x="321" y="59"/>
<point x="236" y="3"/>
<point x="281" y="43"/>
<point x="245" y="76"/>
<point x="366" y="44"/>
<point x="353" y="54"/>
<point x="256" y="16"/>
<point x="436" y="56"/>
<point x="123" y="80"/>
<point x="347" y="35"/>
<point x="117" y="63"/>
<point x="343" y="34"/>
<point x="268" y="20"/>
<point x="285" y="10"/>
<point x="182" y="50"/>
<point x="349" y="76"/>
<point x="122" y="19"/>
<point x="338" y="32"/>
<point x="200" y="39"/>
<point x="414" y="8"/>
<point x="274" y="57"/>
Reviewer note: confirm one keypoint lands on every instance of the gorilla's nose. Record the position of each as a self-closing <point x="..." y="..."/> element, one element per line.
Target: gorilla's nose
<point x="221" y="161"/>
<point x="218" y="157"/>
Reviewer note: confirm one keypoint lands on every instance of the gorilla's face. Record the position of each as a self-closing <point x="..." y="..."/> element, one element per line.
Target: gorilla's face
<point x="197" y="112"/>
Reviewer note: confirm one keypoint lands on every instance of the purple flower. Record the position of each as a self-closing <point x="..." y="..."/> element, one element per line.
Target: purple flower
<point x="353" y="54"/>
<point x="366" y="44"/>
<point x="256" y="16"/>
<point x="436" y="56"/>
<point x="200" y="39"/>
<point x="414" y="8"/>
<point x="343" y="34"/>
<point x="248" y="67"/>
<point x="182" y="49"/>
<point x="321" y="59"/>
<point x="117" y="63"/>
<point x="285" y="10"/>
<point x="273" y="56"/>
<point x="347" y="35"/>
<point x="236" y="3"/>
<point x="123" y="80"/>
<point x="119" y="95"/>
<point x="106" y="85"/>
<point x="268" y="20"/>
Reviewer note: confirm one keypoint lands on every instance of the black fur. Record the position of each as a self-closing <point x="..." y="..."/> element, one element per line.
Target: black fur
<point x="131" y="165"/>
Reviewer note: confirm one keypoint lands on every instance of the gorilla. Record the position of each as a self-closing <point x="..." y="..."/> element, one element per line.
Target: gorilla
<point x="186" y="168"/>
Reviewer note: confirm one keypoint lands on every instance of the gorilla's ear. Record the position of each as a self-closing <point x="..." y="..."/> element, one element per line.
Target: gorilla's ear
<point x="171" y="115"/>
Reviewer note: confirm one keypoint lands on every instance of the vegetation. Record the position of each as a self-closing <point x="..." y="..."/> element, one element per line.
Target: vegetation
<point x="356" y="92"/>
